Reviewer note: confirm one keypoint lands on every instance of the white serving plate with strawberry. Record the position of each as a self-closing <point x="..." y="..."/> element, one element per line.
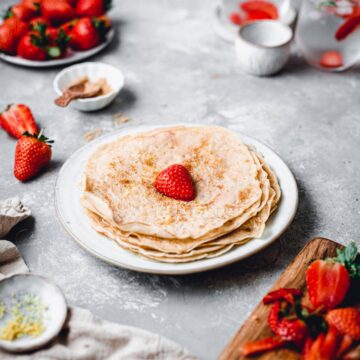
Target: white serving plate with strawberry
<point x="77" y="224"/>
<point x="47" y="33"/>
<point x="71" y="58"/>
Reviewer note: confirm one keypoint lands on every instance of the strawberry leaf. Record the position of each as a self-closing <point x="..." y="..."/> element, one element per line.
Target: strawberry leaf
<point x="350" y="258"/>
<point x="8" y="13"/>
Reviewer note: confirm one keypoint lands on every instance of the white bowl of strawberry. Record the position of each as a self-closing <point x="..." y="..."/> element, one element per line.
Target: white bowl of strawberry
<point x="53" y="32"/>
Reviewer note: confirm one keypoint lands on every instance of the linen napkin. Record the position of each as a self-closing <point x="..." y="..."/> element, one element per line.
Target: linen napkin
<point x="84" y="336"/>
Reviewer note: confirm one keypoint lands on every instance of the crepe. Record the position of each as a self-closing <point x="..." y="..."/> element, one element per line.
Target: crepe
<point x="236" y="193"/>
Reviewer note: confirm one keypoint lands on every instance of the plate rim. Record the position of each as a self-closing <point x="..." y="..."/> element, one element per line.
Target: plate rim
<point x="78" y="56"/>
<point x="176" y="268"/>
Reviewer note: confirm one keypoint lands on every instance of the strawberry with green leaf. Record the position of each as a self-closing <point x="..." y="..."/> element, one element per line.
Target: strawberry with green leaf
<point x="88" y="33"/>
<point x="92" y="7"/>
<point x="32" y="154"/>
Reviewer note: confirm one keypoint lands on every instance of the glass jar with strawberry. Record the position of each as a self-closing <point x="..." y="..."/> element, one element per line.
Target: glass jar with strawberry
<point x="328" y="33"/>
<point x="240" y="12"/>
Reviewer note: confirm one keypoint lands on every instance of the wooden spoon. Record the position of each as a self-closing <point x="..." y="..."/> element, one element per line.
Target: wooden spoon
<point x="81" y="90"/>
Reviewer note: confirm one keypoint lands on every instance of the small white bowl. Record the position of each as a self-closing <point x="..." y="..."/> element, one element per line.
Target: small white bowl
<point x="263" y="47"/>
<point x="50" y="295"/>
<point x="94" y="71"/>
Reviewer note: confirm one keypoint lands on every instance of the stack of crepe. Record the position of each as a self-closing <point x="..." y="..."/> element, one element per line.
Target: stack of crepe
<point x="236" y="192"/>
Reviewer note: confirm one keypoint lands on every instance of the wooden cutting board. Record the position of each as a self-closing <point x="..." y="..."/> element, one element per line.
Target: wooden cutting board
<point x="256" y="327"/>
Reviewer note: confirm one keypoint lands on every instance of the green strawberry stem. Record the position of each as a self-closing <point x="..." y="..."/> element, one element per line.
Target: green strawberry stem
<point x="41" y="137"/>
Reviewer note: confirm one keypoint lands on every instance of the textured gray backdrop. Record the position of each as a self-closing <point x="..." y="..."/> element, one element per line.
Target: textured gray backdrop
<point x="177" y="70"/>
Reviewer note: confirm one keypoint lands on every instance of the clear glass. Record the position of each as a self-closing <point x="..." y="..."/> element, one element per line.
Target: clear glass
<point x="317" y="26"/>
<point x="234" y="6"/>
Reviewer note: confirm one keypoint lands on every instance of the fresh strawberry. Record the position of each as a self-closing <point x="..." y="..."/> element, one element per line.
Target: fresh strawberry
<point x="22" y="12"/>
<point x="235" y="18"/>
<point x="68" y="26"/>
<point x="38" y="45"/>
<point x="348" y="27"/>
<point x="57" y="11"/>
<point x="31" y="155"/>
<point x="87" y="33"/>
<point x="30" y="47"/>
<point x="255" y="15"/>
<point x="11" y="30"/>
<point x="58" y="40"/>
<point x="259" y="346"/>
<point x="92" y="7"/>
<point x="294" y="331"/>
<point x="287" y="294"/>
<point x="274" y="316"/>
<point x="331" y="344"/>
<point x="346" y="321"/>
<point x="327" y="283"/>
<point x="176" y="182"/>
<point x="266" y="9"/>
<point x="17" y="119"/>
<point x="32" y="4"/>
<point x="344" y="346"/>
<point x="38" y="21"/>
<point x="331" y="59"/>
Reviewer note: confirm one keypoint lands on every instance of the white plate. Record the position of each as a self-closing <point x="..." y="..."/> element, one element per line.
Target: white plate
<point x="73" y="218"/>
<point x="228" y="32"/>
<point x="50" y="295"/>
<point x="75" y="56"/>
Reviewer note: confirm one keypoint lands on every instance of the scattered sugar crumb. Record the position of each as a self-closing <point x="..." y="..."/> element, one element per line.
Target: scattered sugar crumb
<point x="120" y="119"/>
<point x="92" y="134"/>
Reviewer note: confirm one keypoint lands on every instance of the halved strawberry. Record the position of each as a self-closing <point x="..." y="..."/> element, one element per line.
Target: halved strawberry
<point x="294" y="331"/>
<point x="266" y="7"/>
<point x="175" y="182"/>
<point x="344" y="346"/>
<point x="331" y="59"/>
<point x="346" y="321"/>
<point x="235" y="18"/>
<point x="349" y="26"/>
<point x="327" y="283"/>
<point x="255" y="15"/>
<point x="258" y="346"/>
<point x="287" y="294"/>
<point x="313" y="348"/>
<point x="18" y="119"/>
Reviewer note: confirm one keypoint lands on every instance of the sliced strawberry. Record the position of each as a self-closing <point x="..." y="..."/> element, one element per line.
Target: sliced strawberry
<point x="344" y="346"/>
<point x="287" y="294"/>
<point x="346" y="321"/>
<point x="294" y="331"/>
<point x="235" y="18"/>
<point x="307" y="348"/>
<point x="349" y="26"/>
<point x="258" y="346"/>
<point x="17" y="119"/>
<point x="273" y="317"/>
<point x="313" y="348"/>
<point x="331" y="344"/>
<point x="255" y="15"/>
<point x="327" y="283"/>
<point x="331" y="59"/>
<point x="266" y="7"/>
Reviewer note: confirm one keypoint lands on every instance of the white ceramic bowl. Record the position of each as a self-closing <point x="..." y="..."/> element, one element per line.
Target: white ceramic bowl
<point x="50" y="295"/>
<point x="94" y="71"/>
<point x="263" y="47"/>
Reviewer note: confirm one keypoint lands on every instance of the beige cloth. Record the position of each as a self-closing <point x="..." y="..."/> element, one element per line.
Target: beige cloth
<point x="12" y="211"/>
<point x="85" y="337"/>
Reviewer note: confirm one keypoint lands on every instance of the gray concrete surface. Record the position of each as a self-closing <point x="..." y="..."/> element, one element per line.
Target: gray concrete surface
<point x="177" y="70"/>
